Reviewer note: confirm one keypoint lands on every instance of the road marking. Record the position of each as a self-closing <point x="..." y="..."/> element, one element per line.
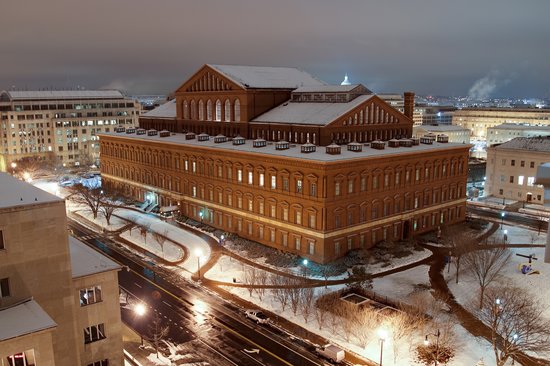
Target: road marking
<point x="165" y="303"/>
<point x="138" y="285"/>
<point x="215" y="350"/>
<point x="247" y="355"/>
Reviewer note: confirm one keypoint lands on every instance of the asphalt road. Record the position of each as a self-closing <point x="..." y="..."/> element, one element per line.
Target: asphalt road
<point x="510" y="218"/>
<point x="193" y="315"/>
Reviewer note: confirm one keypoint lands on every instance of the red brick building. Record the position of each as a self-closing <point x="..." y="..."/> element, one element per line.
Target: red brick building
<point x="279" y="187"/>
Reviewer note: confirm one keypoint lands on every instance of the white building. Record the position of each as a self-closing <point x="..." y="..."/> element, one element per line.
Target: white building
<point x="512" y="168"/>
<point x="507" y="131"/>
<point x="455" y="133"/>
<point x="60" y="124"/>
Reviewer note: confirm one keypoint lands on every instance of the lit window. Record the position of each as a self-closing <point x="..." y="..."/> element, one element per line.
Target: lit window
<point x="299" y="186"/>
<point x="218" y="110"/>
<point x="337" y="188"/>
<point x="250" y="178"/>
<point x="261" y="179"/>
<point x="239" y="175"/>
<point x="530" y="181"/>
<point x="90" y="295"/>
<point x="520" y="180"/>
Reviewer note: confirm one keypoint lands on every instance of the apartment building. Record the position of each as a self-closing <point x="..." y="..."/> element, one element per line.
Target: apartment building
<point x="60" y="125"/>
<point x="59" y="299"/>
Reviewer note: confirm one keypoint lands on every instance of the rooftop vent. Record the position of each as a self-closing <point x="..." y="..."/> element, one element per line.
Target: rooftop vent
<point x="131" y="130"/>
<point x="189" y="136"/>
<point x="442" y="138"/>
<point x="378" y="145"/>
<point x="393" y="143"/>
<point x="406" y="143"/>
<point x="152" y="132"/>
<point x="355" y="146"/>
<point x="308" y="148"/>
<point x="164" y="133"/>
<point x="119" y="129"/>
<point x="259" y="143"/>
<point x="203" y="137"/>
<point x="415" y="140"/>
<point x="282" y="145"/>
<point x="239" y="140"/>
<point x="219" y="139"/>
<point x="141" y="131"/>
<point x="333" y="149"/>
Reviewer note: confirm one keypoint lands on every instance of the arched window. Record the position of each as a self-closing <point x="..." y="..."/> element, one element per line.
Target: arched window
<point x="237" y="108"/>
<point x="185" y="110"/>
<point x="227" y="110"/>
<point x="193" y="110"/>
<point x="209" y="110"/>
<point x="201" y="110"/>
<point x="218" y="110"/>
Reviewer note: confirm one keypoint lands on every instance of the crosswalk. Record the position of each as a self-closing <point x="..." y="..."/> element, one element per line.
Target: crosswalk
<point x="88" y="237"/>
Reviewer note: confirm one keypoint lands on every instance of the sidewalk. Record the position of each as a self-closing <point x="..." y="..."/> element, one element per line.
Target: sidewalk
<point x="133" y="354"/>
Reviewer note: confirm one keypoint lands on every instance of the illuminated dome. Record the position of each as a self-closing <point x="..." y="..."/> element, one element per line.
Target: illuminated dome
<point x="346" y="81"/>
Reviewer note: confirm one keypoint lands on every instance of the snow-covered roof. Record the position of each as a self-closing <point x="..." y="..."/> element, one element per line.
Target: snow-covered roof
<point x="442" y="128"/>
<point x="541" y="144"/>
<point x="326" y="88"/>
<point x="521" y="127"/>
<point x="294" y="151"/>
<point x="267" y="77"/>
<point x="86" y="261"/>
<point x="166" y="110"/>
<point x="24" y="318"/>
<point x="14" y="192"/>
<point x="310" y="113"/>
<point x="63" y="94"/>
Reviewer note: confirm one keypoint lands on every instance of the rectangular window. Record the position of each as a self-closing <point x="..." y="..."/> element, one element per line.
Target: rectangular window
<point x="194" y="166"/>
<point x="530" y="182"/>
<point x="350" y="186"/>
<point x="397" y="178"/>
<point x="297" y="243"/>
<point x="273" y="210"/>
<point x="4" y="287"/>
<point x="261" y="179"/>
<point x="337" y="188"/>
<point x="273" y="182"/>
<point x="513" y="162"/>
<point x="522" y="163"/>
<point x="285" y="184"/>
<point x="520" y="180"/>
<point x="2" y="246"/>
<point x="229" y="173"/>
<point x="313" y="190"/>
<point x="239" y="175"/>
<point x="503" y="161"/>
<point x="239" y="202"/>
<point x="337" y="248"/>
<point x="250" y="205"/>
<point x="284" y="239"/>
<point x="250" y="178"/>
<point x="285" y="214"/>
<point x="511" y="179"/>
<point x="386" y="180"/>
<point x="94" y="333"/>
<point x="272" y="235"/>
<point x="104" y="362"/>
<point x="350" y="243"/>
<point x="375" y="182"/>
<point x="311" y="247"/>
<point x="298" y="218"/>
<point x="220" y="173"/>
<point x="312" y="221"/>
<point x="532" y="164"/>
<point x="417" y="175"/>
<point x="261" y="207"/>
<point x="90" y="295"/>
<point x="229" y="200"/>
<point x="249" y="228"/>
<point x="299" y="186"/>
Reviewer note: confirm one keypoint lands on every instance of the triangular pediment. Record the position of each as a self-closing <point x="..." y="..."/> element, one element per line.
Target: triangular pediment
<point x="207" y="79"/>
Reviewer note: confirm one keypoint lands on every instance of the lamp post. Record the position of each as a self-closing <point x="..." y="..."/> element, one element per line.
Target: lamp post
<point x="13" y="166"/>
<point x="305" y="262"/>
<point x="198" y="253"/>
<point x="222" y="239"/>
<point x="505" y="237"/>
<point x="383" y="334"/>
<point x="427" y="342"/>
<point x="502" y="214"/>
<point x="201" y="214"/>
<point x="140" y="311"/>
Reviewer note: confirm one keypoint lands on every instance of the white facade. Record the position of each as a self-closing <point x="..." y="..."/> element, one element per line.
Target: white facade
<point x="508" y="131"/>
<point x="61" y="124"/>
<point x="455" y="133"/>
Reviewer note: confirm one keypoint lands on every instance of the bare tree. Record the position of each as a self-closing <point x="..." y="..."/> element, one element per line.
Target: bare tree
<point x="280" y="294"/>
<point x="83" y="195"/>
<point x="459" y="242"/>
<point x="144" y="230"/>
<point x="157" y="331"/>
<point x="250" y="277"/>
<point x="442" y="346"/>
<point x="403" y="327"/>
<point x="347" y="314"/>
<point x="294" y="295"/>
<point x="361" y="277"/>
<point x="322" y="307"/>
<point x="307" y="306"/>
<point x="517" y="323"/>
<point x="328" y="270"/>
<point x="262" y="280"/>
<point x="485" y="266"/>
<point x="161" y="237"/>
<point x="364" y="320"/>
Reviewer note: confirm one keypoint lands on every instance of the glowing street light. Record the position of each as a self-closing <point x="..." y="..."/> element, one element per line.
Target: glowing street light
<point x="201" y="214"/>
<point x="13" y="166"/>
<point x="198" y="253"/>
<point x="222" y="238"/>
<point x="383" y="334"/>
<point x="27" y="177"/>
<point x="502" y="214"/>
<point x="305" y="263"/>
<point x="427" y="342"/>
<point x="140" y="311"/>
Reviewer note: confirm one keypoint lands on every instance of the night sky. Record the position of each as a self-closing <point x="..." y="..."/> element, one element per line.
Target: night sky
<point x="496" y="48"/>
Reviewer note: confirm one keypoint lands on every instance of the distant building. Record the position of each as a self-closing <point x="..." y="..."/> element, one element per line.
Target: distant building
<point x="455" y="133"/>
<point x="397" y="102"/>
<point x="479" y="120"/>
<point x="59" y="299"/>
<point x="508" y="131"/>
<point x="512" y="168"/>
<point x="325" y="169"/>
<point x="437" y="115"/>
<point x="60" y="125"/>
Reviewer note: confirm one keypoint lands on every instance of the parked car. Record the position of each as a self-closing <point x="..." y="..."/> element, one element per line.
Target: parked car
<point x="331" y="352"/>
<point x="257" y="316"/>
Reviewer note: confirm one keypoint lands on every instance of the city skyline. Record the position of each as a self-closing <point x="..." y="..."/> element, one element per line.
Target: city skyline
<point x="482" y="50"/>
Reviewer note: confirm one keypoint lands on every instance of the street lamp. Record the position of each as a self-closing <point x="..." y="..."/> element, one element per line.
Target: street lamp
<point x="27" y="177"/>
<point x="198" y="253"/>
<point x="201" y="214"/>
<point x="222" y="239"/>
<point x="505" y="237"/>
<point x="383" y="334"/>
<point x="305" y="262"/>
<point x="140" y="311"/>
<point x="502" y="214"/>
<point x="13" y="166"/>
<point x="427" y="342"/>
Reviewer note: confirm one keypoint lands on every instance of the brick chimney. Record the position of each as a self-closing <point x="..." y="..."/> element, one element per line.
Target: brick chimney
<point x="408" y="104"/>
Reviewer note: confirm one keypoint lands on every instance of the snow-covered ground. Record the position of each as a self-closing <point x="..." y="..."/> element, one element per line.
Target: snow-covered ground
<point x="115" y="222"/>
<point x="168" y="250"/>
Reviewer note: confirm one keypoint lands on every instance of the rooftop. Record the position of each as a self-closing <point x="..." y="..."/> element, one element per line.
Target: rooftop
<point x="442" y="128"/>
<point x="521" y="126"/>
<point x="166" y="110"/>
<point x="293" y="152"/>
<point x="86" y="261"/>
<point x="541" y="144"/>
<point x="14" y="192"/>
<point x="24" y="318"/>
<point x="327" y="88"/>
<point x="310" y="113"/>
<point x="61" y="94"/>
<point x="267" y="77"/>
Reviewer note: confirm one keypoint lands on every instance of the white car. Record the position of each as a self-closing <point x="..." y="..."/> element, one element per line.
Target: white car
<point x="257" y="316"/>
